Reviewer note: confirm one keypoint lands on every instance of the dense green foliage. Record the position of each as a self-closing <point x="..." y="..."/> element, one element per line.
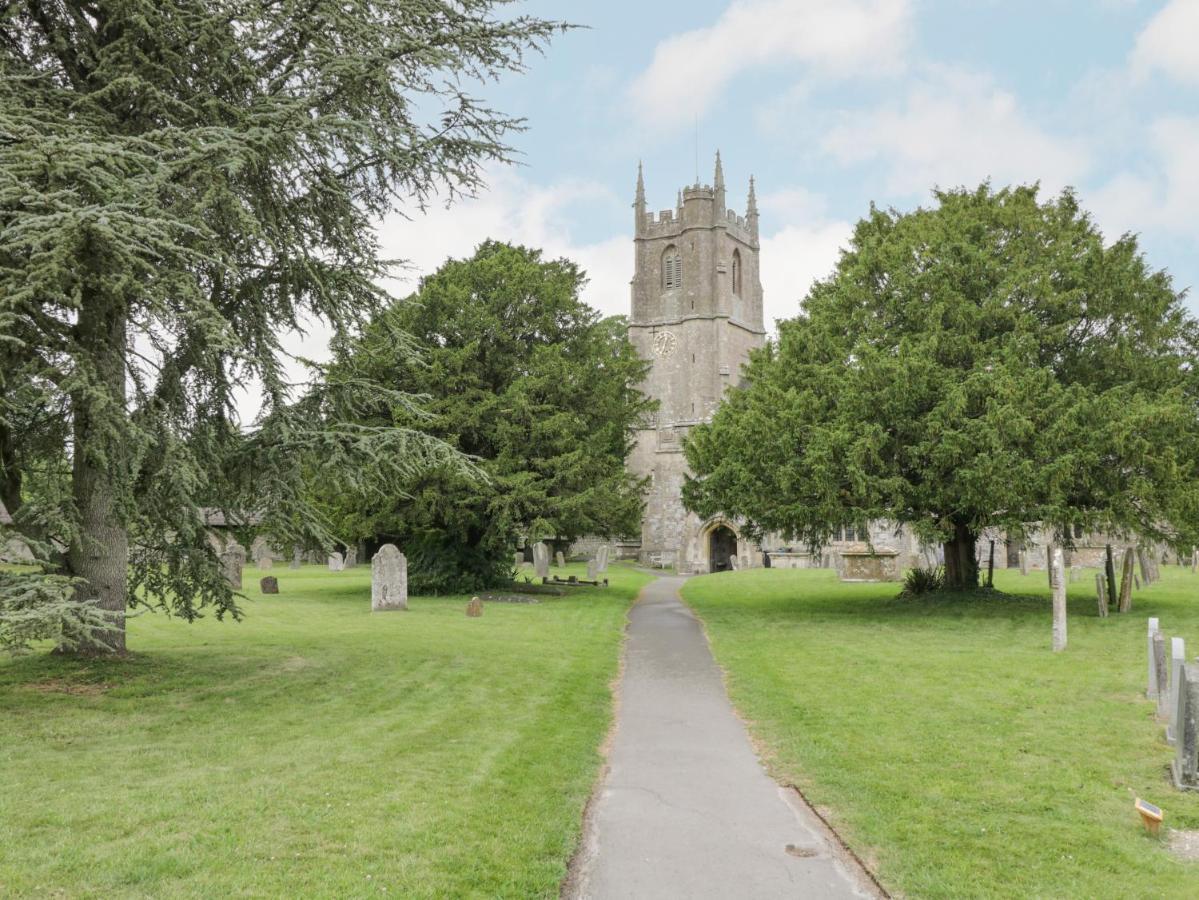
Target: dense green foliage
<point x="181" y="184"/>
<point x="521" y="375"/>
<point x="314" y="749"/>
<point x="947" y="744"/>
<point x="985" y="362"/>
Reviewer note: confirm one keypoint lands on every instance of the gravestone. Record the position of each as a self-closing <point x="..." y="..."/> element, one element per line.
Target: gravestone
<point x="1185" y="767"/>
<point x="474" y="609"/>
<point x="601" y="559"/>
<point x="1151" y="690"/>
<point x="335" y="562"/>
<point x="297" y="557"/>
<point x="269" y="585"/>
<point x="1126" y="582"/>
<point x="1146" y="572"/>
<point x="1178" y="654"/>
<point x="1101" y="594"/>
<point x="351" y="558"/>
<point x="733" y="563"/>
<point x="1161" y="673"/>
<point x="1057" y="565"/>
<point x="541" y="560"/>
<point x="560" y="560"/>
<point x="233" y="560"/>
<point x="389" y="579"/>
<point x="592" y="570"/>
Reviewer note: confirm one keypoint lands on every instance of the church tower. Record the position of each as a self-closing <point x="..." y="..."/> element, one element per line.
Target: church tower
<point x="696" y="314"/>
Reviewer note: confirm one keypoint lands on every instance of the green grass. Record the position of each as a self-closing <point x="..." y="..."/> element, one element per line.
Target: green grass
<point x="313" y="749"/>
<point x="952" y="749"/>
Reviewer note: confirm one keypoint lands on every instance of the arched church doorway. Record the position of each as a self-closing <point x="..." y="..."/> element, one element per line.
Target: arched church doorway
<point x="722" y="547"/>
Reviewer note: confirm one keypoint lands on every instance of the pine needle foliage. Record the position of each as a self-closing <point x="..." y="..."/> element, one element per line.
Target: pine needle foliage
<point x="181" y="184"/>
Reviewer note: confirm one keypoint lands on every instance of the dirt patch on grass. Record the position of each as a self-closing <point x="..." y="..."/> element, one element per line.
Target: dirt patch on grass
<point x="1184" y="845"/>
<point x="75" y="688"/>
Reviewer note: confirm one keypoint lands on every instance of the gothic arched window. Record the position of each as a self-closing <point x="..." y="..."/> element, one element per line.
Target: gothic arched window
<point x="672" y="268"/>
<point x="737" y="273"/>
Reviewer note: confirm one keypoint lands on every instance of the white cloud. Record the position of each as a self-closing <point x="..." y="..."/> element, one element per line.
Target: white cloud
<point x="1168" y="43"/>
<point x="1167" y="197"/>
<point x="956" y="128"/>
<point x="834" y="37"/>
<point x="793" y="259"/>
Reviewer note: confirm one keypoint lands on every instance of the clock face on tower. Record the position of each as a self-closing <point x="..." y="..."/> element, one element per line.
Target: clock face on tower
<point x="664" y="343"/>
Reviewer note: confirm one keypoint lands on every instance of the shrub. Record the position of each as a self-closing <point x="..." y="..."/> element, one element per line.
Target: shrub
<point x="923" y="581"/>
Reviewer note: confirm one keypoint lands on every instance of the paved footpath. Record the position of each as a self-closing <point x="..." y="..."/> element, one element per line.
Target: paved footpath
<point x="686" y="809"/>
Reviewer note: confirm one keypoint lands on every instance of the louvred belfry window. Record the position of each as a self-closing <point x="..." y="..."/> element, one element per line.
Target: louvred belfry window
<point x="672" y="269"/>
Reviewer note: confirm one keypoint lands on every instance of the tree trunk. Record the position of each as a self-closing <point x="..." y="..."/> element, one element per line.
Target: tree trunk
<point x="100" y="552"/>
<point x="961" y="565"/>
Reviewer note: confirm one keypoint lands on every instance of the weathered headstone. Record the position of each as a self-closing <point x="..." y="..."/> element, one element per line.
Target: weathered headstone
<point x="541" y="560"/>
<point x="1178" y="654"/>
<point x="601" y="559"/>
<point x="335" y="562"/>
<point x="265" y="561"/>
<point x="269" y="585"/>
<point x="474" y="609"/>
<point x="1185" y="767"/>
<point x="1146" y="572"/>
<point x="1151" y="690"/>
<point x="1101" y="594"/>
<point x="233" y="560"/>
<point x="1161" y="673"/>
<point x="733" y="563"/>
<point x="389" y="579"/>
<point x="297" y="557"/>
<point x="351" y="558"/>
<point x="592" y="570"/>
<point x="1126" y="582"/>
<point x="560" y="560"/>
<point x="1057" y="564"/>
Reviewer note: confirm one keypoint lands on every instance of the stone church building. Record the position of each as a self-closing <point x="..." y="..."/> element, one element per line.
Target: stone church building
<point x="696" y="314"/>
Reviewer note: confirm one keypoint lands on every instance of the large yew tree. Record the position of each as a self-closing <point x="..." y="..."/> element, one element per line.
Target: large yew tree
<point x="531" y="383"/>
<point x="988" y="361"/>
<point x="181" y="183"/>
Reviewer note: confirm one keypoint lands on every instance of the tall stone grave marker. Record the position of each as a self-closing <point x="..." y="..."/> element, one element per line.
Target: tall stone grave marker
<point x="541" y="560"/>
<point x="592" y="570"/>
<point x="265" y="560"/>
<point x="1101" y="594"/>
<point x="297" y="557"/>
<point x="1151" y="690"/>
<point x="560" y="560"/>
<point x="1126" y="582"/>
<point x="233" y="560"/>
<point x="335" y="562"/>
<point x="1178" y="654"/>
<point x="389" y="579"/>
<point x="1058" y="580"/>
<point x="601" y="559"/>
<point x="1185" y="767"/>
<point x="1161" y="673"/>
<point x="351" y="559"/>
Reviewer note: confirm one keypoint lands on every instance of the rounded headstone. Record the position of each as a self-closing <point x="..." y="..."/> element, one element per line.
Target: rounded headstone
<point x="269" y="585"/>
<point x="474" y="609"/>
<point x="389" y="579"/>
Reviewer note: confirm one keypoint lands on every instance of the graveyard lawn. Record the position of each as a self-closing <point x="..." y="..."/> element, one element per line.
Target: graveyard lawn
<point x="948" y="745"/>
<point x="314" y="749"/>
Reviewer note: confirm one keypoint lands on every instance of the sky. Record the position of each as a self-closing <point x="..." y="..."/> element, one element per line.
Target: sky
<point x="832" y="105"/>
